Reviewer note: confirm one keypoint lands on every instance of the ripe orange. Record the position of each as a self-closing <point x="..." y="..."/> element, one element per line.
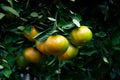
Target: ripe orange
<point x="32" y="34"/>
<point x="81" y="36"/>
<point x="56" y="45"/>
<point x="21" y="62"/>
<point x="32" y="55"/>
<point x="41" y="47"/>
<point x="70" y="53"/>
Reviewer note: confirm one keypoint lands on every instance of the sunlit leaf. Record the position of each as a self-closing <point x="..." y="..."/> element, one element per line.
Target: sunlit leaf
<point x="72" y="0"/>
<point x="21" y="28"/>
<point x="57" y="71"/>
<point x="77" y="17"/>
<point x="105" y="60"/>
<point x="23" y="19"/>
<point x="51" y="19"/>
<point x="88" y="53"/>
<point x="68" y="25"/>
<point x="1" y="46"/>
<point x="7" y="72"/>
<point x="4" y="60"/>
<point x="40" y="16"/>
<point x="100" y="34"/>
<point x="76" y="22"/>
<point x="10" y="2"/>
<point x="43" y="35"/>
<point x="34" y="14"/>
<point x="10" y="9"/>
<point x="51" y="62"/>
<point x="1" y="67"/>
<point x="1" y="15"/>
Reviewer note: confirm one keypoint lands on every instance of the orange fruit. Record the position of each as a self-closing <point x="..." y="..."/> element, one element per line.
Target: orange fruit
<point x="32" y="34"/>
<point x="56" y="45"/>
<point x="70" y="53"/>
<point x="81" y="36"/>
<point x="32" y="55"/>
<point x="41" y="47"/>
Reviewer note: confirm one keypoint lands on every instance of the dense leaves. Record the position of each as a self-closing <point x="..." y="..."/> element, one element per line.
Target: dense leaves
<point x="98" y="60"/>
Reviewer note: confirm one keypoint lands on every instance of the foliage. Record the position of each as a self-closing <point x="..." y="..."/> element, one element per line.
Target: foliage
<point x="98" y="60"/>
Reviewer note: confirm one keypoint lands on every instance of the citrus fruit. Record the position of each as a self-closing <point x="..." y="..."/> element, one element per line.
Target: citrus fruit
<point x="81" y="36"/>
<point x="21" y="62"/>
<point x="70" y="53"/>
<point x="32" y="34"/>
<point x="56" y="44"/>
<point x="41" y="47"/>
<point x="32" y="55"/>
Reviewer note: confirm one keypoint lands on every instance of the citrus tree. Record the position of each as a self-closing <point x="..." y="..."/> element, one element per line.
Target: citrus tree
<point x="59" y="40"/>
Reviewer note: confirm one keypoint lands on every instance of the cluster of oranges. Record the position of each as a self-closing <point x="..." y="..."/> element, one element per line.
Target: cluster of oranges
<point x="56" y="45"/>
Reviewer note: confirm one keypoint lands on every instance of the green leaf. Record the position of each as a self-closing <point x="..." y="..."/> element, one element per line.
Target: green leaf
<point x="6" y="65"/>
<point x="66" y="25"/>
<point x="7" y="72"/>
<point x="100" y="34"/>
<point x="116" y="48"/>
<point x="43" y="35"/>
<point x="28" y="29"/>
<point x="1" y="15"/>
<point x="11" y="60"/>
<point x="72" y="0"/>
<point x="40" y="16"/>
<point x="34" y="14"/>
<point x="1" y="46"/>
<point x="1" y="67"/>
<point x="8" y="39"/>
<point x="76" y="22"/>
<point x="51" y="62"/>
<point x="77" y="17"/>
<point x="116" y="39"/>
<point x="21" y="28"/>
<point x="23" y="19"/>
<point x="51" y="19"/>
<point x="10" y="2"/>
<point x="105" y="60"/>
<point x="16" y="31"/>
<point x="10" y="9"/>
<point x="88" y="53"/>
<point x="4" y="61"/>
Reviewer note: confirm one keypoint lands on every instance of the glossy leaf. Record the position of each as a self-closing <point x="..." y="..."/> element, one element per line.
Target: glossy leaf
<point x="34" y="14"/>
<point x="10" y="2"/>
<point x="7" y="72"/>
<point x="1" y="15"/>
<point x="10" y="9"/>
